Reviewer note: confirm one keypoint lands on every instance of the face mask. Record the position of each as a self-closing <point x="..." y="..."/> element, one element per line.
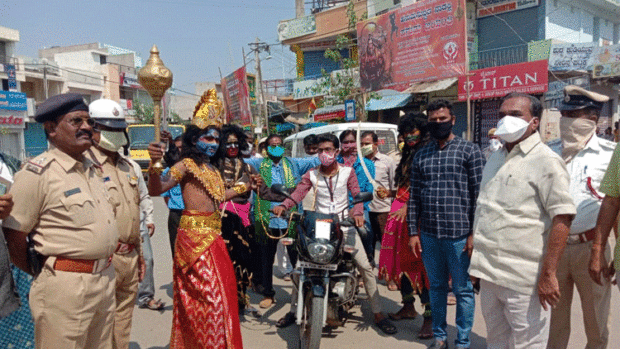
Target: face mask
<point x="412" y="140"/>
<point x="112" y="140"/>
<point x="367" y="150"/>
<point x="575" y="133"/>
<point x="208" y="149"/>
<point x="264" y="153"/>
<point x="440" y="130"/>
<point x="495" y="144"/>
<point x="275" y="151"/>
<point x="326" y="159"/>
<point x="401" y="145"/>
<point x="511" y="128"/>
<point x="248" y="151"/>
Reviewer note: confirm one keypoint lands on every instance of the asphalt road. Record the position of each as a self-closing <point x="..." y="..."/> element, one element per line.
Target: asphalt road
<point x="151" y="329"/>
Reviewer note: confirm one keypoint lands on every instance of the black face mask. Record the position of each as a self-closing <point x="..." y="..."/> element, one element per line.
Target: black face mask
<point x="439" y="130"/>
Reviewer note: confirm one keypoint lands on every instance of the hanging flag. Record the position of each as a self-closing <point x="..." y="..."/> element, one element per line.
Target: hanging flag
<point x="311" y="106"/>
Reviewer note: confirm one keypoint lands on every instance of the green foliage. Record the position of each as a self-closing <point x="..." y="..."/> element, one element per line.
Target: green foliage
<point x="144" y="112"/>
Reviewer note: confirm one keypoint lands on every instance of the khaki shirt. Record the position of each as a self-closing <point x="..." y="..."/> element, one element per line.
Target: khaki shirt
<point x="610" y="186"/>
<point x="121" y="181"/>
<point x="520" y="193"/>
<point x="66" y="204"/>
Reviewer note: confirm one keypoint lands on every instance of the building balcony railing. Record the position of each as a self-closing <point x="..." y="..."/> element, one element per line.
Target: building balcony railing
<point x="9" y="60"/>
<point x="496" y="57"/>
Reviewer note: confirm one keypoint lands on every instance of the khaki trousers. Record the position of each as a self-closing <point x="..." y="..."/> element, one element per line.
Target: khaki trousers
<point x="72" y="310"/>
<point x="595" y="299"/>
<point x="126" y="267"/>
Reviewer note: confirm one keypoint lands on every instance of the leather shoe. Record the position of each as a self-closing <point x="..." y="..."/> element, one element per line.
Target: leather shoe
<point x="266" y="302"/>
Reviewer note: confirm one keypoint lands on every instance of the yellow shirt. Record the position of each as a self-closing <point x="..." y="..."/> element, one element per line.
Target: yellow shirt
<point x="611" y="186"/>
<point x="520" y="193"/>
<point x="121" y="181"/>
<point x="66" y="204"/>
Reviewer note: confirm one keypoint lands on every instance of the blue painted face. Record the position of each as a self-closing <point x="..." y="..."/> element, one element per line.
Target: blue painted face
<point x="208" y="143"/>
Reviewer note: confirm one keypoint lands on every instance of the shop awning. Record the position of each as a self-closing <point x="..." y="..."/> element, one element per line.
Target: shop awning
<point x="431" y="86"/>
<point x="390" y="99"/>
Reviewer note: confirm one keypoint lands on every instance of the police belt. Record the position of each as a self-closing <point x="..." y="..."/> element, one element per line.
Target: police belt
<point x="82" y="265"/>
<point x="575" y="239"/>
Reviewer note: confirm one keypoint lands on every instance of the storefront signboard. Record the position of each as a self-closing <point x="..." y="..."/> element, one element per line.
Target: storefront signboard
<point x="10" y="100"/>
<point x="567" y="57"/>
<point x="494" y="7"/>
<point x="528" y="77"/>
<point x="294" y="28"/>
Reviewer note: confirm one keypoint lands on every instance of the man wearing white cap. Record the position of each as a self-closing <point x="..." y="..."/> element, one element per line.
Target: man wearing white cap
<point x="587" y="157"/>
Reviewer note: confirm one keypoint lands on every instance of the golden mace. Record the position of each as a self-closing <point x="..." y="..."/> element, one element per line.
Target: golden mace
<point x="156" y="79"/>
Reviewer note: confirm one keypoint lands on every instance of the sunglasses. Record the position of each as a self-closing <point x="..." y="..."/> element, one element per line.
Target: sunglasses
<point x="78" y="121"/>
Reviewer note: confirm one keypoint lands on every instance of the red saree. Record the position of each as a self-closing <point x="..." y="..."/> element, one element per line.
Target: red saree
<point x="396" y="258"/>
<point x="205" y="311"/>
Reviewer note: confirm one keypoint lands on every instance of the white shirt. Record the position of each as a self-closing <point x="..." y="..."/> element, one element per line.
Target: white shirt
<point x="591" y="162"/>
<point x="520" y="193"/>
<point x="385" y="171"/>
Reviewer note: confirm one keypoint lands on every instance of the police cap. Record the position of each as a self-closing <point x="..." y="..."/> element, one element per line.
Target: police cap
<point x="576" y="98"/>
<point x="59" y="105"/>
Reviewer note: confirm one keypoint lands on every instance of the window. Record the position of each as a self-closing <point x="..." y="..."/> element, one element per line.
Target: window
<point x="5" y="85"/>
<point x="102" y="59"/>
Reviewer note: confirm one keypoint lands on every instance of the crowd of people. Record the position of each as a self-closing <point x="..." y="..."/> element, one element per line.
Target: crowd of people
<point x="521" y="223"/>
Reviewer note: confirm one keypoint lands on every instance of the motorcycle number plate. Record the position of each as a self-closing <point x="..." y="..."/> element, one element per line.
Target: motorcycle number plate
<point x="332" y="267"/>
<point x="323" y="229"/>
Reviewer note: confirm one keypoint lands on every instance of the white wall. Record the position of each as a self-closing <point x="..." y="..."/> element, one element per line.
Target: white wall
<point x="573" y="21"/>
<point x="82" y="60"/>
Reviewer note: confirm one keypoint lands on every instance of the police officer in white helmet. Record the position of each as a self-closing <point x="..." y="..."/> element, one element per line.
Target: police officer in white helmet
<point x="127" y="193"/>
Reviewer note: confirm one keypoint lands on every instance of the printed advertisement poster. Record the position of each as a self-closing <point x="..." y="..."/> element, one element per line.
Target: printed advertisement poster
<point x="237" y="98"/>
<point x="494" y="7"/>
<point x="606" y="61"/>
<point x="528" y="77"/>
<point x="566" y="57"/>
<point x="422" y="42"/>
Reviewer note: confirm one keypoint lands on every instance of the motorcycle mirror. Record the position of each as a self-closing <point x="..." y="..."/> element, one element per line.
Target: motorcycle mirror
<point x="362" y="197"/>
<point x="280" y="189"/>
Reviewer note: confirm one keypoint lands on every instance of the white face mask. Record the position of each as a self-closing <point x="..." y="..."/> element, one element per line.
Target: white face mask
<point x="495" y="144"/>
<point x="367" y="150"/>
<point x="112" y="140"/>
<point x="511" y="128"/>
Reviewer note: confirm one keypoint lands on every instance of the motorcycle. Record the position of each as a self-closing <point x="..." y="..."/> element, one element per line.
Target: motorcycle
<point x="327" y="282"/>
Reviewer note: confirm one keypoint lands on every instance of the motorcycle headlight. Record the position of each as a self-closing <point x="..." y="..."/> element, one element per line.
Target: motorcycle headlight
<point x="320" y="252"/>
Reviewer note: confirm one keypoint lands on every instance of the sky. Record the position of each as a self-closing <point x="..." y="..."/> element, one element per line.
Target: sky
<point x="194" y="37"/>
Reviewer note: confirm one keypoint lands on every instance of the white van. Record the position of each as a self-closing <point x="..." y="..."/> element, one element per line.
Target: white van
<point x="387" y="133"/>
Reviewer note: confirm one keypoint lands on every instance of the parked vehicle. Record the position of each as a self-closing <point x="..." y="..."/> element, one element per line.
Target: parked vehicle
<point x="140" y="135"/>
<point x="387" y="133"/>
<point x="328" y="279"/>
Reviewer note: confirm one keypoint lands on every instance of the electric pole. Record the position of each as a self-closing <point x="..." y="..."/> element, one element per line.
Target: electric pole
<point x="258" y="47"/>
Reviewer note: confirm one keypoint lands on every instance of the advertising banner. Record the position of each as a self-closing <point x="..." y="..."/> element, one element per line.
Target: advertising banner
<point x="566" y="57"/>
<point x="9" y="69"/>
<point x="606" y="61"/>
<point x="422" y="42"/>
<point x="129" y="80"/>
<point x="10" y="100"/>
<point x="494" y="7"/>
<point x="294" y="28"/>
<point x="528" y="77"/>
<point x="329" y="113"/>
<point x="237" y="98"/>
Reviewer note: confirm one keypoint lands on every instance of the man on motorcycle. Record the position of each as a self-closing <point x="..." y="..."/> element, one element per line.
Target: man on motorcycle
<point x="331" y="183"/>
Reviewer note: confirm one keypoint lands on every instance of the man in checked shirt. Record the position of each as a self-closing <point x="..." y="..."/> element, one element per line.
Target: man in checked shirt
<point x="445" y="181"/>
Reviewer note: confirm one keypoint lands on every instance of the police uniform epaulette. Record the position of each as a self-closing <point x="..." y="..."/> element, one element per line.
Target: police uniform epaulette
<point x="39" y="163"/>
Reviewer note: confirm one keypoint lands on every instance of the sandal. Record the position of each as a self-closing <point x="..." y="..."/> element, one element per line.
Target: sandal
<point x="286" y="321"/>
<point x="403" y="314"/>
<point x="392" y="286"/>
<point x="386" y="326"/>
<point x="153" y="304"/>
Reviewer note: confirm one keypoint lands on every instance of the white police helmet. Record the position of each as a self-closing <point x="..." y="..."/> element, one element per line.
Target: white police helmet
<point x="108" y="113"/>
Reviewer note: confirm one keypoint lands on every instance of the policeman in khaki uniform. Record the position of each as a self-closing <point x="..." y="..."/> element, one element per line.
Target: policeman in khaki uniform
<point x="62" y="203"/>
<point x="121" y="181"/>
<point x="587" y="157"/>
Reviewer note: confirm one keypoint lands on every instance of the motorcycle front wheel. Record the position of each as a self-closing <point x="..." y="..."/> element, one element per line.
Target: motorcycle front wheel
<point x="311" y="326"/>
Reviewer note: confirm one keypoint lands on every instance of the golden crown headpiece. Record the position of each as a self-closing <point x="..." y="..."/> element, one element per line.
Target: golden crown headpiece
<point x="209" y="111"/>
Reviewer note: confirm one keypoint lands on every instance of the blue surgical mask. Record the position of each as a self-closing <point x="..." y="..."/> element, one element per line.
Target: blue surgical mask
<point x="208" y="148"/>
<point x="275" y="151"/>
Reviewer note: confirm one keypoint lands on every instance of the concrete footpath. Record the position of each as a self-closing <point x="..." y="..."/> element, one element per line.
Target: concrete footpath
<point x="151" y="329"/>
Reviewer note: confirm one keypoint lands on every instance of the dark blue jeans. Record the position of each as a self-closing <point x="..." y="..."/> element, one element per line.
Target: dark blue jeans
<point x="444" y="258"/>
